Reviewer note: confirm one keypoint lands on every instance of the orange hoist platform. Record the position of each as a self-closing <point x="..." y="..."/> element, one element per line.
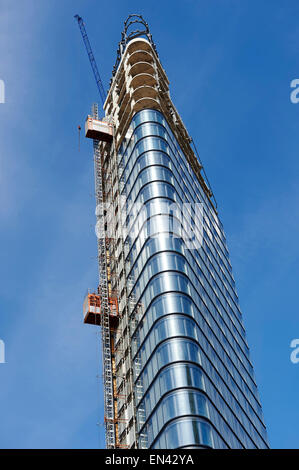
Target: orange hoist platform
<point x="99" y="130"/>
<point x="92" y="309"/>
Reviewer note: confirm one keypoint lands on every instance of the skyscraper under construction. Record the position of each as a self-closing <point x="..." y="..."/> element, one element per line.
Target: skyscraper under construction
<point x="176" y="366"/>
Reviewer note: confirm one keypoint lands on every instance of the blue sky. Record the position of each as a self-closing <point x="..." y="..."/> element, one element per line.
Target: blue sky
<point x="230" y="64"/>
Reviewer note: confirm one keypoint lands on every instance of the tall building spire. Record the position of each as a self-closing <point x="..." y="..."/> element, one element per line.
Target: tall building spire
<point x="129" y="33"/>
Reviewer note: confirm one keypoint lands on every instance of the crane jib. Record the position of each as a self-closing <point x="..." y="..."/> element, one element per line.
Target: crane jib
<point x="91" y="58"/>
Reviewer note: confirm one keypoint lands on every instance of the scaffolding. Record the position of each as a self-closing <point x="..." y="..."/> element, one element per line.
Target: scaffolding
<point x="104" y="295"/>
<point x="102" y="308"/>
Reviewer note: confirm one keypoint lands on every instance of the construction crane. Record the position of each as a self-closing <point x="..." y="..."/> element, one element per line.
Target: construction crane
<point x="91" y="58"/>
<point x="101" y="304"/>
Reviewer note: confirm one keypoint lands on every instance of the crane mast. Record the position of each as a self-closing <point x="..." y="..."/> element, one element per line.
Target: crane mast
<point x="101" y="308"/>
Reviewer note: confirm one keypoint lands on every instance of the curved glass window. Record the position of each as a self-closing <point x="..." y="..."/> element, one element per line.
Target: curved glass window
<point x="178" y="325"/>
<point x="173" y="262"/>
<point x="189" y="433"/>
<point x="194" y="380"/>
<point x="184" y="349"/>
<point x="216" y="232"/>
<point x="180" y="375"/>
<point x="163" y="243"/>
<point x="176" y="404"/>
<point x="179" y="303"/>
<point x="155" y="143"/>
<point x="180" y="196"/>
<point x="162" y="175"/>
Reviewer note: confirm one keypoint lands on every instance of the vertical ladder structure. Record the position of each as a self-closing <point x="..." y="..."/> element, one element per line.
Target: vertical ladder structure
<point x="104" y="294"/>
<point x="102" y="308"/>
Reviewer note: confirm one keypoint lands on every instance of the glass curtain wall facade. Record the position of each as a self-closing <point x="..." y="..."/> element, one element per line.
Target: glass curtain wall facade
<point x="180" y="366"/>
<point x="189" y="350"/>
